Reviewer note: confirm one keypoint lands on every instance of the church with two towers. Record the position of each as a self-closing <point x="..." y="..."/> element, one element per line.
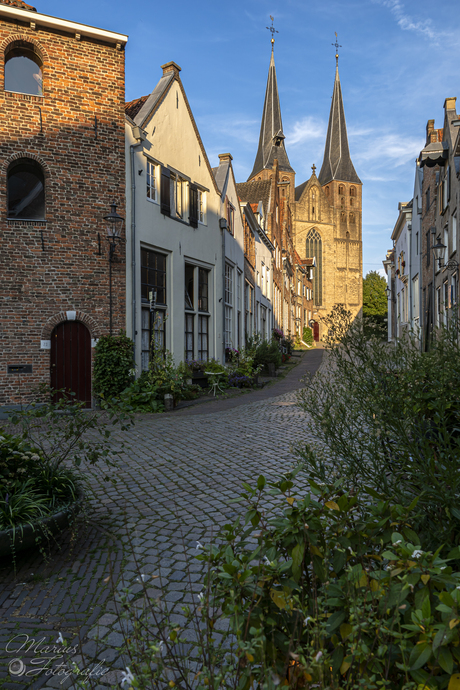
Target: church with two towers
<point x="319" y="220"/>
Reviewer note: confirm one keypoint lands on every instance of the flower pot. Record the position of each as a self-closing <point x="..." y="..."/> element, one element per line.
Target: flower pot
<point x="271" y="369"/>
<point x="38" y="532"/>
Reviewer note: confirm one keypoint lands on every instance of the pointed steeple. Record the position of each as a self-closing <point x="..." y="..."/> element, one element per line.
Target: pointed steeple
<point x="271" y="140"/>
<point x="337" y="163"/>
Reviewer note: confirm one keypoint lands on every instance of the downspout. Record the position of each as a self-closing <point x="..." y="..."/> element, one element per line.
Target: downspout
<point x="140" y="137"/>
<point x="411" y="284"/>
<point x="223" y="227"/>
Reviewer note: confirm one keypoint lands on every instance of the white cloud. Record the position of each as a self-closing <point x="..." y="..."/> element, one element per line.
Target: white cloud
<point x="388" y="147"/>
<point x="306" y="130"/>
<point x="423" y="27"/>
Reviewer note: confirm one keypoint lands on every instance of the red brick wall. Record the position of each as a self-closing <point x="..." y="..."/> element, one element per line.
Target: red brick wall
<point x="82" y="79"/>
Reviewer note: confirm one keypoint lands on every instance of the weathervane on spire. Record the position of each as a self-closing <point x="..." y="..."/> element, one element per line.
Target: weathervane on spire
<point x="273" y="31"/>
<point x="337" y="46"/>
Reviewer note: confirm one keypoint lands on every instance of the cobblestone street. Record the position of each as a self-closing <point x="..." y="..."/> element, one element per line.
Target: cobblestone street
<point x="173" y="488"/>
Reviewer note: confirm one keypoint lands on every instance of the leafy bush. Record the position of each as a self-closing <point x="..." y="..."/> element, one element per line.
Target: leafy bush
<point x="308" y="336"/>
<point x="141" y="396"/>
<point x="332" y="588"/>
<point x="268" y="352"/>
<point x="388" y="417"/>
<point x="113" y="365"/>
<point x="237" y="380"/>
<point x="288" y="343"/>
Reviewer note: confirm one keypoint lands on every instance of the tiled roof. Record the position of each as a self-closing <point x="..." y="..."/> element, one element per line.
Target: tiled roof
<point x="18" y="3"/>
<point x="133" y="107"/>
<point x="253" y="192"/>
<point x="299" y="190"/>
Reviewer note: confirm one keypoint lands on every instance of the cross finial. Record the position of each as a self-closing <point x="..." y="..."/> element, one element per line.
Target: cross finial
<point x="273" y="31"/>
<point x="313" y="167"/>
<point x="337" y="46"/>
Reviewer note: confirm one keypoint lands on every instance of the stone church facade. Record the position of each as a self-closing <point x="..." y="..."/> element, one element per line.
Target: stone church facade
<point x="325" y="212"/>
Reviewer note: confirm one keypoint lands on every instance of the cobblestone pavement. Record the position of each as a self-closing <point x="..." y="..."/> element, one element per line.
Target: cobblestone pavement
<point x="173" y="488"/>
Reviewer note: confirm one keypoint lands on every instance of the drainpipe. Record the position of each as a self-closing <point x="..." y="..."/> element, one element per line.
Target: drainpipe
<point x="140" y="137"/>
<point x="223" y="227"/>
<point x="411" y="284"/>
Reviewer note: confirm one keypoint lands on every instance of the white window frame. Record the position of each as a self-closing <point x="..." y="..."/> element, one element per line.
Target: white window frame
<point x="177" y="189"/>
<point x="201" y="206"/>
<point x="152" y="170"/>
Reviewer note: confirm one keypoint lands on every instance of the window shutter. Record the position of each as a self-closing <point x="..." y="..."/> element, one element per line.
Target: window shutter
<point x="165" y="192"/>
<point x="193" y="213"/>
<point x="448" y="183"/>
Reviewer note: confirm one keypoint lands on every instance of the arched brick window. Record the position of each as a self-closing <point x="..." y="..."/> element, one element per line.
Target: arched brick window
<point x="26" y="190"/>
<point x="314" y="248"/>
<point x="352" y="191"/>
<point x="341" y="189"/>
<point x="327" y="191"/>
<point x="23" y="69"/>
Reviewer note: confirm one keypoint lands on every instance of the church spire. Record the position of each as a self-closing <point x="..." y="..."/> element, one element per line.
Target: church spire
<point x="271" y="140"/>
<point x="337" y="163"/>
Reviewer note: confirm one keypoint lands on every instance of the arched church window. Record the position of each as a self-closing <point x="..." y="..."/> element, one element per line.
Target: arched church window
<point x="327" y="191"/>
<point x="352" y="191"/>
<point x="314" y="249"/>
<point x="352" y="217"/>
<point x="23" y="69"/>
<point x="26" y="190"/>
<point x="341" y="189"/>
<point x="351" y="202"/>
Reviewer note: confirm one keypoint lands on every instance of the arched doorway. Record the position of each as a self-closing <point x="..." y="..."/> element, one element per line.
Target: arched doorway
<point x="316" y="331"/>
<point x="71" y="360"/>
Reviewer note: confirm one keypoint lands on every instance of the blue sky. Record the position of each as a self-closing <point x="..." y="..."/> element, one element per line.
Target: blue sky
<point x="397" y="65"/>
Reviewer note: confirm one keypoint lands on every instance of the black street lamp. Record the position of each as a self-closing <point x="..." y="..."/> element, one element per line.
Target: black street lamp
<point x="439" y="250"/>
<point x="114" y="228"/>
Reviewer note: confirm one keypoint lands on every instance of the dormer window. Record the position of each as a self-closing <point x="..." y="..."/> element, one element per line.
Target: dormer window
<point x="278" y="138"/>
<point x="23" y="69"/>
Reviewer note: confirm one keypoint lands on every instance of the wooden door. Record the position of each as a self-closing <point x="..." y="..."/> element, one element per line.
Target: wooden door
<point x="316" y="331"/>
<point x="71" y="361"/>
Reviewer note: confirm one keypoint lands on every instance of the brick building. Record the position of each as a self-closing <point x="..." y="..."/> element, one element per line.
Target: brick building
<point x="62" y="164"/>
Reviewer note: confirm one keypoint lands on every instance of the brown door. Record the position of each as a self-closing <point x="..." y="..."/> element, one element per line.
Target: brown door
<point x="316" y="331"/>
<point x="71" y="361"/>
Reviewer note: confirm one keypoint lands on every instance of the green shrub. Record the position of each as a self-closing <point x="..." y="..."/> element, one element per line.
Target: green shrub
<point x="268" y="352"/>
<point x="113" y="365"/>
<point x="308" y="336"/>
<point x="388" y="417"/>
<point x="331" y="587"/>
<point x="141" y="396"/>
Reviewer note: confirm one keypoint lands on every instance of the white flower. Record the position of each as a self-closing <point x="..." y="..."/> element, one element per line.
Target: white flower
<point x="308" y="618"/>
<point x="443" y="567"/>
<point x="127" y="677"/>
<point x="397" y="542"/>
<point x="266" y="560"/>
<point x="199" y="545"/>
<point x="417" y="553"/>
<point x="141" y="578"/>
<point x="318" y="656"/>
<point x="60" y="639"/>
<point x="201" y="597"/>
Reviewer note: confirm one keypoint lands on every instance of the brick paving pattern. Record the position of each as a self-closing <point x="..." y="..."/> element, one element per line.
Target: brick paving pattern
<point x="173" y="488"/>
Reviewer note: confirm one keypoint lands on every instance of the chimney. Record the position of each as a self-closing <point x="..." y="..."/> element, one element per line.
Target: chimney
<point x="449" y="103"/>
<point x="171" y="67"/>
<point x="225" y="157"/>
<point x="429" y="130"/>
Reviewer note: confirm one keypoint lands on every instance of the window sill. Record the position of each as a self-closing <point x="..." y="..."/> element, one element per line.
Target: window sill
<point x="153" y="201"/>
<point x="24" y="96"/>
<point x="26" y="220"/>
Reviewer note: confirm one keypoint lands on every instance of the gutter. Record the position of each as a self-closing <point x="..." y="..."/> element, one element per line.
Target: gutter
<point x="35" y="18"/>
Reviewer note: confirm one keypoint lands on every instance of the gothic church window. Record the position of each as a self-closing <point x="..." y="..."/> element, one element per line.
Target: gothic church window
<point x="341" y="189"/>
<point x="352" y="191"/>
<point x="314" y="249"/>
<point x="26" y="190"/>
<point x="23" y="69"/>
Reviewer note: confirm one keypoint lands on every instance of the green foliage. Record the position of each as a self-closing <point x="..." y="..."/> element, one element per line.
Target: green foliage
<point x="338" y="322"/>
<point x="332" y="588"/>
<point x="29" y="486"/>
<point x="387" y="416"/>
<point x="375" y="301"/>
<point x="308" y="336"/>
<point x="288" y="343"/>
<point x="141" y="396"/>
<point x="166" y="378"/>
<point x="268" y="352"/>
<point x="113" y="365"/>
